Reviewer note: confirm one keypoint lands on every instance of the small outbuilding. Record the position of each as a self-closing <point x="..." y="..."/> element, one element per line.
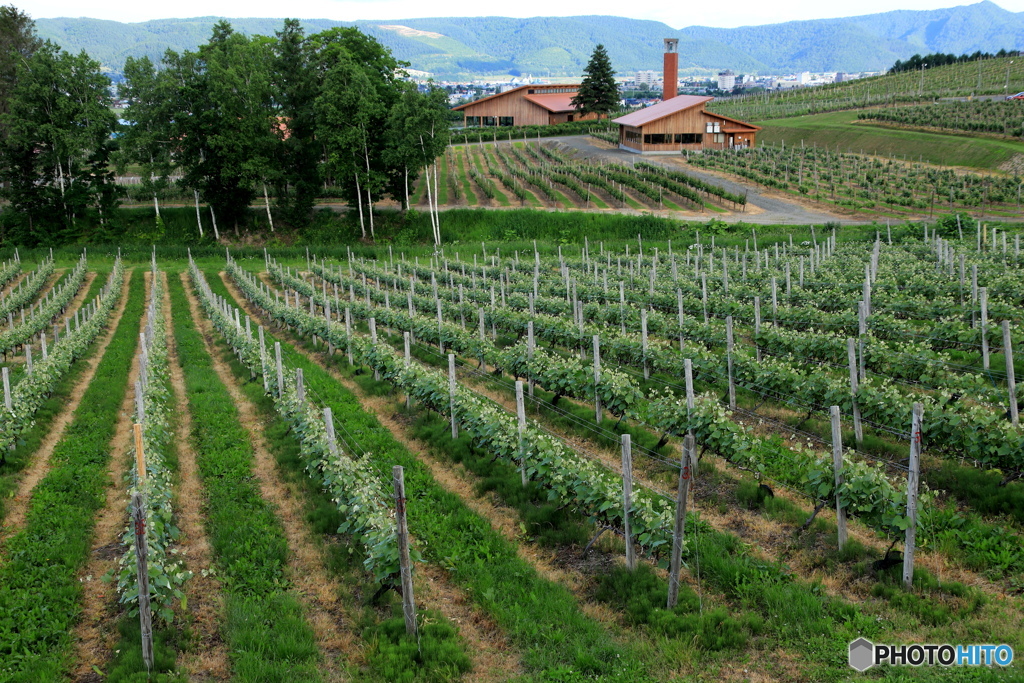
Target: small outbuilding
<point x="682" y="124"/>
<point x="527" y="105"/>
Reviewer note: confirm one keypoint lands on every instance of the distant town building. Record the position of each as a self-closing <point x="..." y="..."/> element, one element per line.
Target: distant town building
<point x="726" y="80"/>
<point x="650" y="78"/>
<point x="804" y="78"/>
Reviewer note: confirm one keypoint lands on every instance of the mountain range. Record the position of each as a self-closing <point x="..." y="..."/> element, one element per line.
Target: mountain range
<point x="461" y="47"/>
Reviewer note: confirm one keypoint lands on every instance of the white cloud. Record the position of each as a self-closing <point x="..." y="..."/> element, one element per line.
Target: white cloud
<point x="671" y="12"/>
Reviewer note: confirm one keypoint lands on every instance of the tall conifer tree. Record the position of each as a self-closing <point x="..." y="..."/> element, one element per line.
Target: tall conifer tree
<point x="598" y="93"/>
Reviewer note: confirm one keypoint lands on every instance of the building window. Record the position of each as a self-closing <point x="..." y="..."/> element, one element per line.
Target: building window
<point x="489" y="121"/>
<point x="472" y="121"/>
<point x="713" y="127"/>
<point x="689" y="138"/>
<point x="530" y="92"/>
<point x="657" y="138"/>
<point x="632" y="136"/>
<point x="719" y="137"/>
<point x="505" y="121"/>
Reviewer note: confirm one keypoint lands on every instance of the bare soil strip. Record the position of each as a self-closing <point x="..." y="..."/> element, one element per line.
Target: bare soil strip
<point x="69" y="312"/>
<point x="18" y="507"/>
<point x="208" y="660"/>
<point x="95" y="635"/>
<point x="489" y="650"/>
<point x="319" y="592"/>
<point x="6" y="291"/>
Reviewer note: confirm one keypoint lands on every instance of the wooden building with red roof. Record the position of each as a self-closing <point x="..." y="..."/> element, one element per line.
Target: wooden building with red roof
<point x="527" y="105"/>
<point x="682" y="123"/>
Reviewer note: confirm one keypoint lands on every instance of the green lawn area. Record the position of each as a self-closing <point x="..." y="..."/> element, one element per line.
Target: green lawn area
<point x="843" y="131"/>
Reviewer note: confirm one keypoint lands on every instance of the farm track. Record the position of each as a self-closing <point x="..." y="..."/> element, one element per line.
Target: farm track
<point x="490" y="651"/>
<point x="774" y="209"/>
<point x="208" y="660"/>
<point x="315" y="588"/>
<point x="18" y="507"/>
<point x="95" y="635"/>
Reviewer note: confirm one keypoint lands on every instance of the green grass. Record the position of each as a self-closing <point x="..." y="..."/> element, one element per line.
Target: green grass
<point x="442" y="187"/>
<point x="28" y="444"/>
<point x="390" y="655"/>
<point x="467" y="185"/>
<point x="39" y="583"/>
<point x="265" y="626"/>
<point x="541" y="619"/>
<point x="842" y="131"/>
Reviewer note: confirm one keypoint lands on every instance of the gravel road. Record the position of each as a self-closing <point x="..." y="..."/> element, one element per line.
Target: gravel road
<point x="774" y="210"/>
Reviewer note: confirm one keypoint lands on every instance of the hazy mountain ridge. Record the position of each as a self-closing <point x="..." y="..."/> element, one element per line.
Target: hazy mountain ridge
<point x="560" y="46"/>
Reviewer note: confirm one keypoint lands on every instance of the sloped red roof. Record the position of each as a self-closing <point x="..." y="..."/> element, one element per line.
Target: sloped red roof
<point x="518" y="89"/>
<point x="662" y="109"/>
<point x="556" y="103"/>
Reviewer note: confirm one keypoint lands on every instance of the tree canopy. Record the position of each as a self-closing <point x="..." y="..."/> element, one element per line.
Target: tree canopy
<point x="599" y="93"/>
<point x="291" y="112"/>
<point x="238" y="120"/>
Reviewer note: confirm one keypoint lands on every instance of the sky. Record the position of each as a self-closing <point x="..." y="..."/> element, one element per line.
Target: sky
<point x="672" y="12"/>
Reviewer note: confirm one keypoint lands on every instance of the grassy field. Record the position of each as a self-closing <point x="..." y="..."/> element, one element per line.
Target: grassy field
<point x="841" y="131"/>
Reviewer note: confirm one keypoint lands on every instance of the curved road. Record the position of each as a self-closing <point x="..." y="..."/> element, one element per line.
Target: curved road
<point x="774" y="210"/>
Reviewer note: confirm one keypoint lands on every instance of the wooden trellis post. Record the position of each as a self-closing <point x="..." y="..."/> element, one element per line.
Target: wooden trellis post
<point x="851" y="352"/>
<point x="643" y="340"/>
<point x="529" y="351"/>
<point x="983" y="294"/>
<point x="627" y="498"/>
<point x="280" y="369"/>
<point x="687" y="467"/>
<point x="837" y="464"/>
<point x="1011" y="385"/>
<point x="728" y="358"/>
<point x="597" y="379"/>
<point x="138" y="513"/>
<point x="913" y="478"/>
<point x="521" y="424"/>
<point x="405" y="563"/>
<point x="757" y="326"/>
<point x="408" y="361"/>
<point x="451" y="395"/>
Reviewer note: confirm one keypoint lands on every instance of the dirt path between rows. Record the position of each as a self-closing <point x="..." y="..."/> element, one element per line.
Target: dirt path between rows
<point x="318" y="591"/>
<point x="9" y="287"/>
<point x="491" y="654"/>
<point x="18" y="507"/>
<point x="95" y="635"/>
<point x="69" y="313"/>
<point x="208" y="660"/>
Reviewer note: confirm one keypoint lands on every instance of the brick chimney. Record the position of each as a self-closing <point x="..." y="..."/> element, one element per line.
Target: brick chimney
<point x="671" y="77"/>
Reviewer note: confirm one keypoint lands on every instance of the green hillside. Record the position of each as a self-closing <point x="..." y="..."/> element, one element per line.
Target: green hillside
<point x="458" y="47"/>
<point x="841" y="131"/>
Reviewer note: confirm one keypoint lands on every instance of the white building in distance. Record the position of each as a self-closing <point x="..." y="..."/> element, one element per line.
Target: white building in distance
<point x="648" y="78"/>
<point x="726" y="80"/>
